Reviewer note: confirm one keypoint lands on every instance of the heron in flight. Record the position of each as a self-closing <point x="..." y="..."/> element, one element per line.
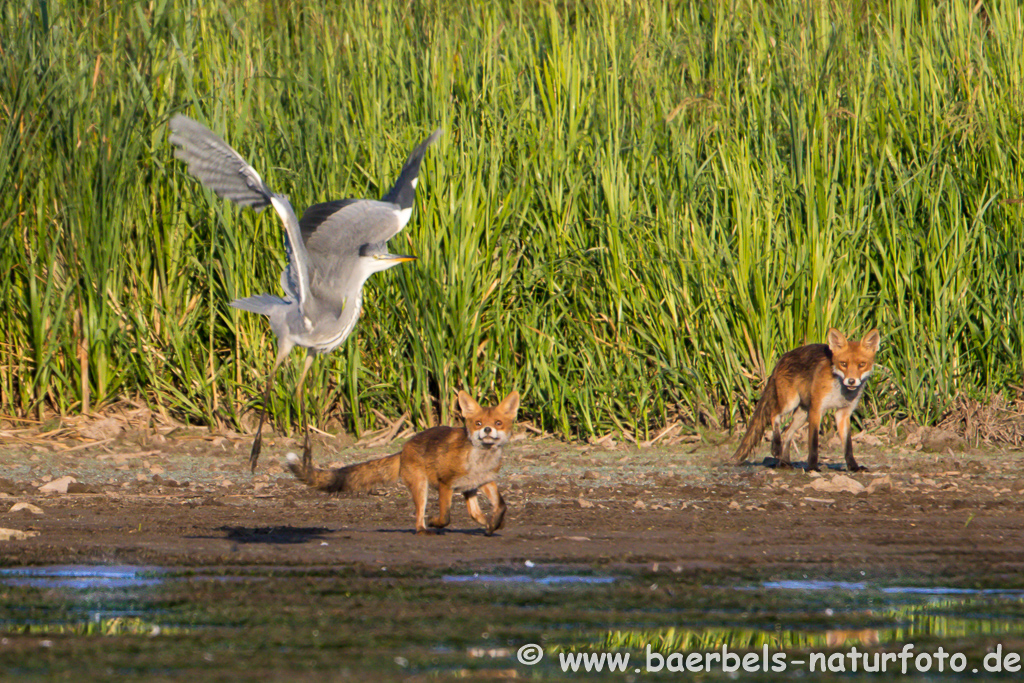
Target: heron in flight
<point x="332" y="251"/>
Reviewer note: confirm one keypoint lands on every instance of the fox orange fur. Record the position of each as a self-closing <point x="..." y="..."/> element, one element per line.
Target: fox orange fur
<point x="449" y="459"/>
<point x="811" y="380"/>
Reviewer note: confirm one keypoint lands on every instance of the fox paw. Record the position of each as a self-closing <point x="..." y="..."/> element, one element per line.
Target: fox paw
<point x="496" y="521"/>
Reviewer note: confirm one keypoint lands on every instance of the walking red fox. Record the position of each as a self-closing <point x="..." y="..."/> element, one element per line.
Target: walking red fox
<point x="448" y="458"/>
<point x="811" y="380"/>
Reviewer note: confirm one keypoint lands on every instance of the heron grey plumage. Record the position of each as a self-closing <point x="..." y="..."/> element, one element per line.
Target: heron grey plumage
<point x="332" y="250"/>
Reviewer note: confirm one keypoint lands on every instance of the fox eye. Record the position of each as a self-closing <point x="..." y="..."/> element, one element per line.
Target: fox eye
<point x="478" y="423"/>
<point x="497" y="423"/>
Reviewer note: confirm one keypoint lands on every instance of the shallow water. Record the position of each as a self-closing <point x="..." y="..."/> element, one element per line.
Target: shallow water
<point x="812" y="585"/>
<point x="83" y="577"/>
<point x="162" y="623"/>
<point x="526" y="579"/>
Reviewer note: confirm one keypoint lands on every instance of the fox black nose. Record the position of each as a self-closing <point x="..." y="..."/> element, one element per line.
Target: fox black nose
<point x="486" y="430"/>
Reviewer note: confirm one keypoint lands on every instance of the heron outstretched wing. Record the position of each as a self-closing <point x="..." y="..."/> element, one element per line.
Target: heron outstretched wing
<point x="365" y="221"/>
<point x="216" y="165"/>
<point x="223" y="170"/>
<point x="350" y="225"/>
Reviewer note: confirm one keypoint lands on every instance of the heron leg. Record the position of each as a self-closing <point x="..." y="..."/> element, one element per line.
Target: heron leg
<point x="307" y="447"/>
<point x="257" y="443"/>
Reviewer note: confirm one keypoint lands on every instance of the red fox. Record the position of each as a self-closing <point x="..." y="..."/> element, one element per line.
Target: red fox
<point x="811" y="380"/>
<point x="448" y="458"/>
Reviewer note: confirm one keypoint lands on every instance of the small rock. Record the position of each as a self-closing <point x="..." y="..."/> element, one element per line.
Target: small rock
<point x="734" y="505"/>
<point x="591" y="474"/>
<point x="58" y="485"/>
<point x="866" y="439"/>
<point x="880" y="484"/>
<point x="27" y="507"/>
<point x="935" y="440"/>
<point x="640" y="505"/>
<point x="103" y="429"/>
<point x="16" y="534"/>
<point x="836" y="484"/>
<point x="585" y="504"/>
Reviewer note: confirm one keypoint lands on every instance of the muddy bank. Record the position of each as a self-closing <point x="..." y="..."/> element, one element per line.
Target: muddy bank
<point x="957" y="515"/>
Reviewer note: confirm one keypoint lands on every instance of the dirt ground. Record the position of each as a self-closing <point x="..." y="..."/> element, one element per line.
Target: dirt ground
<point x="188" y="499"/>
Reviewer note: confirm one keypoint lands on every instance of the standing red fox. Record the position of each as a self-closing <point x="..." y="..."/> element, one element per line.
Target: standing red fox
<point x="448" y="458"/>
<point x="811" y="380"/>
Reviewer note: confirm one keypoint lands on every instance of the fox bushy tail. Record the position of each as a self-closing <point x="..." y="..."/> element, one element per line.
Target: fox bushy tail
<point x="359" y="478"/>
<point x="759" y="421"/>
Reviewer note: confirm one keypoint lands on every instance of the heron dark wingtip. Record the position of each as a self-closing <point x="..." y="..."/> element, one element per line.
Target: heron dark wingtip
<point x="404" y="191"/>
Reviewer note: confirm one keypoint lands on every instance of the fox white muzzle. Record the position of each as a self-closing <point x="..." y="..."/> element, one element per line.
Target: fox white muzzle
<point x="851" y="382"/>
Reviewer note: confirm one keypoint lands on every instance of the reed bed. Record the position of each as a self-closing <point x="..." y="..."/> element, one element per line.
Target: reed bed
<point x="635" y="209"/>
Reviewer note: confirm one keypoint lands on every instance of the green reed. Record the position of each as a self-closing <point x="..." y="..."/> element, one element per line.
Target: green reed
<point x="635" y="209"/>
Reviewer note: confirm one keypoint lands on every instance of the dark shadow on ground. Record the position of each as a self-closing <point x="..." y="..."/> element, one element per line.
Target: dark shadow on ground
<point x="274" y="534"/>
<point x="771" y="462"/>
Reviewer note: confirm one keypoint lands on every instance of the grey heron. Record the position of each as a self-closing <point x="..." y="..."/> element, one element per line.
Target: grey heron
<point x="332" y="251"/>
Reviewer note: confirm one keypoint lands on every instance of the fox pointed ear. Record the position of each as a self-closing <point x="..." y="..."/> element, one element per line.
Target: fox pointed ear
<point x="467" y="404"/>
<point x="510" y="404"/>
<point x="872" y="340"/>
<point x="836" y="340"/>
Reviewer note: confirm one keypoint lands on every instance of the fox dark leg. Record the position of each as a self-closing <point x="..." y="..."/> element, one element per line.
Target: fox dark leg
<point x="498" y="507"/>
<point x="779" y="452"/>
<point x="846" y="436"/>
<point x="473" y="505"/>
<point x="444" y="506"/>
<point x="418" y="490"/>
<point x="799" y="420"/>
<point x="814" y="422"/>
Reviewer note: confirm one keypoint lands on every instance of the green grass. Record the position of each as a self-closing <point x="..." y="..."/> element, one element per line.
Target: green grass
<point x="635" y="208"/>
